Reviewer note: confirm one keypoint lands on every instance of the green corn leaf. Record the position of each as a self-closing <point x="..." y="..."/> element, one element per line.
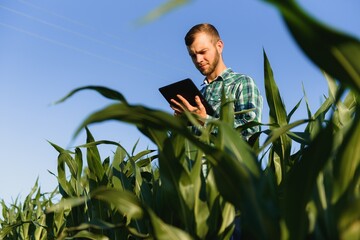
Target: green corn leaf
<point x="93" y="159"/>
<point x="213" y="195"/>
<point x="58" y="148"/>
<point x="300" y="137"/>
<point x="350" y="101"/>
<point x="142" y="191"/>
<point x="230" y="141"/>
<point x="106" y="92"/>
<point x="192" y="180"/>
<point x="293" y="111"/>
<point x="276" y="133"/>
<point x="95" y="224"/>
<point x="79" y="164"/>
<point x="68" y="159"/>
<point x="163" y="231"/>
<point x="117" y="177"/>
<point x="276" y="105"/>
<point x="177" y="186"/>
<point x="120" y="180"/>
<point x="66" y="204"/>
<point x="119" y="157"/>
<point x="298" y="188"/>
<point x="324" y="108"/>
<point x="134" y="147"/>
<point x="307" y="103"/>
<point x="324" y="211"/>
<point x="348" y="158"/>
<point x="75" y="167"/>
<point x="96" y="143"/>
<point x="278" y="115"/>
<point x="64" y="187"/>
<point x="157" y="136"/>
<point x="138" y="180"/>
<point x="40" y="227"/>
<point x="348" y="209"/>
<point x="228" y="216"/>
<point x="88" y="235"/>
<point x="141" y="154"/>
<point x="141" y="117"/>
<point x="236" y="184"/>
<point x="344" y="111"/>
<point x="197" y="156"/>
<point x="227" y="109"/>
<point x="5" y="231"/>
<point x="145" y="162"/>
<point x="162" y="10"/>
<point x="336" y="53"/>
<point x="125" y="202"/>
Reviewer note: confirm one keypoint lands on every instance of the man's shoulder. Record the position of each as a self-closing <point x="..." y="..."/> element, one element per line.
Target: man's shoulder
<point x="232" y="76"/>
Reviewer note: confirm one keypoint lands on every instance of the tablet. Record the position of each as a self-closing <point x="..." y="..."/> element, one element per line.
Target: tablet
<point x="188" y="90"/>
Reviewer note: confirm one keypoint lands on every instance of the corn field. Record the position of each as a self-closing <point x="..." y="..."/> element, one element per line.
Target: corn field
<point x="203" y="187"/>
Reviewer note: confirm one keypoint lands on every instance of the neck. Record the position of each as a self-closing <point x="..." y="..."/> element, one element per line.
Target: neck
<point x="211" y="77"/>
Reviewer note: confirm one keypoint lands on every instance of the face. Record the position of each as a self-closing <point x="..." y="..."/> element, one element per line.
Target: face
<point x="205" y="54"/>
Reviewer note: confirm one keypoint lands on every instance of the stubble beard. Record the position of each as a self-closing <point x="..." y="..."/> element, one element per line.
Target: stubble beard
<point x="212" y="66"/>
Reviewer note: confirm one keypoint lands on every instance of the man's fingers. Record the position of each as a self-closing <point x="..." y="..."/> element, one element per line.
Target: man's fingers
<point x="176" y="105"/>
<point x="199" y="103"/>
<point x="200" y="106"/>
<point x="184" y="102"/>
<point x="176" y="109"/>
<point x="184" y="105"/>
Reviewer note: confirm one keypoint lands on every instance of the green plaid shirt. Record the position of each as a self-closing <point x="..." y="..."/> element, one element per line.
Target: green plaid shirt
<point x="243" y="90"/>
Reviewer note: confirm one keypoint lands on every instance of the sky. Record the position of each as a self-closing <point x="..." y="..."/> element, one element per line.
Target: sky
<point x="48" y="48"/>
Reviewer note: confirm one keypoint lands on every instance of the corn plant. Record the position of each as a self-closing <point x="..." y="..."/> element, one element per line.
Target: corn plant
<point x="27" y="220"/>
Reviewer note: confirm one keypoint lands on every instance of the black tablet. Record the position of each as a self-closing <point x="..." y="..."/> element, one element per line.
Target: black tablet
<point x="188" y="90"/>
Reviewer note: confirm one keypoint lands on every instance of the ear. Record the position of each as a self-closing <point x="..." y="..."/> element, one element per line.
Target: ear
<point x="220" y="45"/>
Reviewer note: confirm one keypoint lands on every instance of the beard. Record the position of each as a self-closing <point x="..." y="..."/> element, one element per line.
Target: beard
<point x="211" y="66"/>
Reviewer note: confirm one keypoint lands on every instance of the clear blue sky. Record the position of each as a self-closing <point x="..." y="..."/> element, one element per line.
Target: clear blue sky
<point x="48" y="48"/>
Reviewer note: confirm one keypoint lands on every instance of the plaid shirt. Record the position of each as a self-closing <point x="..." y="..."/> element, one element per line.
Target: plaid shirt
<point x="243" y="90"/>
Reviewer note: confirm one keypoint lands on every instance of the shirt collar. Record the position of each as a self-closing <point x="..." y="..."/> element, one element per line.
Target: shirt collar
<point x="222" y="76"/>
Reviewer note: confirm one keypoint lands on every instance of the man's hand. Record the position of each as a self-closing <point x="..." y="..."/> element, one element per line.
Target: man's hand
<point x="184" y="105"/>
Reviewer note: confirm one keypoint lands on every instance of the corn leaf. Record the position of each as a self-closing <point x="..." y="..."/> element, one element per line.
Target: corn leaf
<point x="298" y="188"/>
<point x="124" y="201"/>
<point x="104" y="91"/>
<point x="280" y="152"/>
<point x="164" y="231"/>
<point x="162" y="10"/>
<point x="336" y="53"/>
<point x="348" y="159"/>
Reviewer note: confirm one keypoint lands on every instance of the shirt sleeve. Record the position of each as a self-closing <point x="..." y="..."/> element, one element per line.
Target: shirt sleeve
<point x="247" y="98"/>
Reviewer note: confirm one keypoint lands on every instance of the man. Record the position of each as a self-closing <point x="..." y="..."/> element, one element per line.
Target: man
<point x="205" y="49"/>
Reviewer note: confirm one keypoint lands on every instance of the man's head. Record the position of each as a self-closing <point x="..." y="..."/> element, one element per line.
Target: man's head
<point x="207" y="28"/>
<point x="205" y="48"/>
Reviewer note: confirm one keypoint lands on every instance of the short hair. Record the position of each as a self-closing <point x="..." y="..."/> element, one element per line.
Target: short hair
<point x="201" y="28"/>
